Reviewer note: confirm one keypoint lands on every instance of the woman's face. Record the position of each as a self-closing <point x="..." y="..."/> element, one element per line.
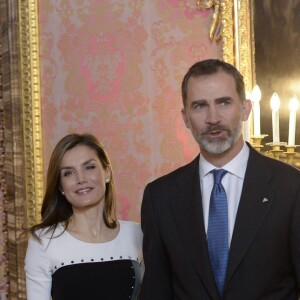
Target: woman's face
<point x="83" y="177"/>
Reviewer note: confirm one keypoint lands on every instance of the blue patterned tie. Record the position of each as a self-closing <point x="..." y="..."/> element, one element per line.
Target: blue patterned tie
<point x="217" y="231"/>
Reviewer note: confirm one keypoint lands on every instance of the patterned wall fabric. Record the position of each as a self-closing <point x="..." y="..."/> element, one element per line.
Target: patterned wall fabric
<point x="114" y="68"/>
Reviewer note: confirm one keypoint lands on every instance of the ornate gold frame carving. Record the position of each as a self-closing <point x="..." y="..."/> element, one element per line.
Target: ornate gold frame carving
<point x="31" y="108"/>
<point x="237" y="37"/>
<point x="23" y="164"/>
<point x="227" y="31"/>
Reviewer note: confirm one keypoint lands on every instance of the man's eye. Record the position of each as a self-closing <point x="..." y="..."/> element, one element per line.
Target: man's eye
<point x="199" y="105"/>
<point x="225" y="102"/>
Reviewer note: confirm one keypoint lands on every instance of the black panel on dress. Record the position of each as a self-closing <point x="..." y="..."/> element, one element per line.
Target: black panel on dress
<point x="113" y="280"/>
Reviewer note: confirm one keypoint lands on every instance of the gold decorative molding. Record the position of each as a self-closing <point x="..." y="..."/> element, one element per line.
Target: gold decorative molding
<point x="245" y="42"/>
<point x="215" y="31"/>
<point x="31" y="108"/>
<point x="227" y="31"/>
<point x="237" y="37"/>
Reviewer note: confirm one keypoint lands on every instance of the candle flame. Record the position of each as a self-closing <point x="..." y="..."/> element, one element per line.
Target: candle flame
<point x="275" y="101"/>
<point x="294" y="104"/>
<point x="256" y="93"/>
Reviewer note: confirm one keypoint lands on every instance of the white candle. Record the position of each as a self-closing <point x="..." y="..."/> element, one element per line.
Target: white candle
<point x="292" y="125"/>
<point x="256" y="96"/>
<point x="275" y="104"/>
<point x="247" y="123"/>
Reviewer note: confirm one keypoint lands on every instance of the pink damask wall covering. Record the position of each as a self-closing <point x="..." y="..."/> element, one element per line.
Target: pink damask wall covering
<point x="114" y="68"/>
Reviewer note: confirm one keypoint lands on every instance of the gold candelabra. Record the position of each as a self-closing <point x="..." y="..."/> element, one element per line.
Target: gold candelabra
<point x="281" y="150"/>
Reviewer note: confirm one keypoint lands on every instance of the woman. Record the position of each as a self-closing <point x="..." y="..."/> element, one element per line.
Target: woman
<point x="80" y="250"/>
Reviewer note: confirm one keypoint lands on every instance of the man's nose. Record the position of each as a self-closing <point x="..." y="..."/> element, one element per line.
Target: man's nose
<point x="213" y="116"/>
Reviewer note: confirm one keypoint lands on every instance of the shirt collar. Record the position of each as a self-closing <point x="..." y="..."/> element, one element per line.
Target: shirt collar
<point x="237" y="166"/>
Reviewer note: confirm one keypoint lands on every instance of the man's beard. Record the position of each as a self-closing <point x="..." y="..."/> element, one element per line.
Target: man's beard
<point x="218" y="145"/>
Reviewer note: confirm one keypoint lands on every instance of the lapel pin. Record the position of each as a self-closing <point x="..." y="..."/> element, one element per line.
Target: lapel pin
<point x="265" y="200"/>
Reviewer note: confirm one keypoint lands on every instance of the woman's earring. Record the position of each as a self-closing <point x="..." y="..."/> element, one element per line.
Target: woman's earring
<point x="107" y="180"/>
<point x="63" y="193"/>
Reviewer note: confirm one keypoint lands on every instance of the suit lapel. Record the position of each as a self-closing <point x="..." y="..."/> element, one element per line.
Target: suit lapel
<point x="188" y="213"/>
<point x="255" y="202"/>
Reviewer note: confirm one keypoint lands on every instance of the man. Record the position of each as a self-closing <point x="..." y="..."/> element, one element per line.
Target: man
<point x="191" y="250"/>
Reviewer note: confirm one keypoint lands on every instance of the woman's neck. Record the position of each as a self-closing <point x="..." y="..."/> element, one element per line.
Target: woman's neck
<point x="91" y="229"/>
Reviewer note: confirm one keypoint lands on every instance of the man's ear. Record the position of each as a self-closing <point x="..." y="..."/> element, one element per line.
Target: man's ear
<point x="247" y="107"/>
<point x="185" y="118"/>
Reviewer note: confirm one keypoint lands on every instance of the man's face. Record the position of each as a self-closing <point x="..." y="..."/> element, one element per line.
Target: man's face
<point x="214" y="113"/>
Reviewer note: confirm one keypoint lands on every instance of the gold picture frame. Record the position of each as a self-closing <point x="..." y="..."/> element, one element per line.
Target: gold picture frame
<point x="238" y="49"/>
<point x="237" y="37"/>
<point x="22" y="185"/>
<point x="237" y="44"/>
<point x="31" y="109"/>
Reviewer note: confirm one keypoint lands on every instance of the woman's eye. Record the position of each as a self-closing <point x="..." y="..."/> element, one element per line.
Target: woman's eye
<point x="67" y="173"/>
<point x="90" y="167"/>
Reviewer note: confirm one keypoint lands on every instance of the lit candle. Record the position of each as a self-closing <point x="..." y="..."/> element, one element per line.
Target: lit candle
<point x="275" y="104"/>
<point x="292" y="126"/>
<point x="247" y="123"/>
<point x="256" y="96"/>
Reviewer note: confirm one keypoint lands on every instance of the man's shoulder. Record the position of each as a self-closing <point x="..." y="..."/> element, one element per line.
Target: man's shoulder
<point x="180" y="174"/>
<point x="259" y="160"/>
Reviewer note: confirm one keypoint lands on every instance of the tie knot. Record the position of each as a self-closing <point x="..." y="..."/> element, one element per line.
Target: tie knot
<point x="218" y="175"/>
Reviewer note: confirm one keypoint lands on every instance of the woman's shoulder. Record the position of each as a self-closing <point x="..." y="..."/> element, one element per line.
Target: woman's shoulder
<point x="49" y="232"/>
<point x="130" y="225"/>
<point x="130" y="228"/>
<point x="130" y="239"/>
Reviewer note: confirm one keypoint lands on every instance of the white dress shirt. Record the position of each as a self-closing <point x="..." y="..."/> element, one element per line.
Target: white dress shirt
<point x="232" y="182"/>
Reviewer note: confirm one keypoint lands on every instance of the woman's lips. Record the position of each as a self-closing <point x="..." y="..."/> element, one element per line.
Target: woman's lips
<point x="83" y="191"/>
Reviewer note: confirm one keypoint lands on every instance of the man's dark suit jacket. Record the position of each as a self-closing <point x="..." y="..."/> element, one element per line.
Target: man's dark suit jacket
<point x="264" y="258"/>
